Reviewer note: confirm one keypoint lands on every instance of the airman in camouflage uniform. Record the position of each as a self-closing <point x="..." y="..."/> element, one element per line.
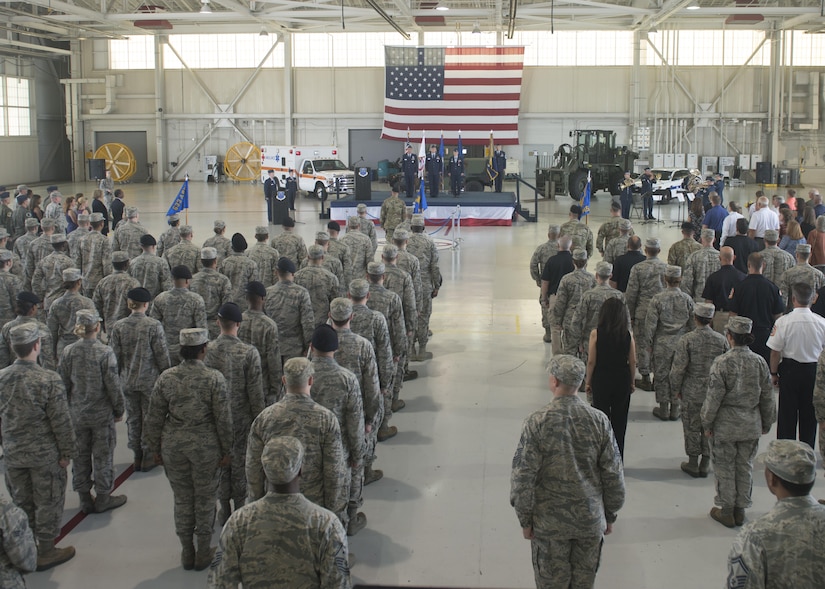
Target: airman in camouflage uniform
<point x="289" y="305"/>
<point x="360" y="248"/>
<point x="171" y="237"/>
<point x="89" y="372"/>
<point x="6" y="221"/>
<point x="261" y="331"/>
<point x="189" y="429"/>
<point x="337" y="389"/>
<point x="61" y="319"/>
<point x="110" y="293"/>
<point x="214" y="288"/>
<point x="20" y="214"/>
<point x="609" y="229"/>
<point x="802" y="272"/>
<point x="240" y="365"/>
<point x="16" y="264"/>
<point x="701" y="264"/>
<point x="393" y="211"/>
<point x="127" y="235"/>
<point x="18" y="550"/>
<point x="9" y="287"/>
<point x="567" y="483"/>
<point x="185" y="253"/>
<point x="646" y="279"/>
<point x="321" y="284"/>
<point x="782" y="548"/>
<point x="282" y="540"/>
<point x="618" y="245"/>
<point x="409" y="263"/>
<point x="179" y="309"/>
<point x="139" y="344"/>
<point x="689" y="374"/>
<point x="219" y="241"/>
<point x="587" y="313"/>
<point x="40" y="248"/>
<point x="569" y="294"/>
<point x="580" y="233"/>
<point x="669" y="316"/>
<point x="325" y="474"/>
<point x="83" y="228"/>
<point x="400" y="282"/>
<point x="543" y="253"/>
<point x="47" y="281"/>
<point x="240" y="269"/>
<point x="339" y="250"/>
<point x="265" y="257"/>
<point x="680" y="251"/>
<point x="423" y="247"/>
<point x="149" y="270"/>
<point x="94" y="256"/>
<point x="331" y="263"/>
<point x="777" y="260"/>
<point x="27" y="312"/>
<point x="290" y="244"/>
<point x="367" y="225"/>
<point x="38" y="442"/>
<point x="23" y="243"/>
<point x="739" y="407"/>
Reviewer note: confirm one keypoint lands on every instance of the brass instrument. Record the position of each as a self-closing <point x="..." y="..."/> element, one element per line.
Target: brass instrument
<point x="628" y="182"/>
<point x="658" y="176"/>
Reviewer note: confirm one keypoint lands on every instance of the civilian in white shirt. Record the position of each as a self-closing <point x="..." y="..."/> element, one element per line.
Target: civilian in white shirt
<point x="762" y="219"/>
<point x="752" y="207"/>
<point x="729" y="225"/>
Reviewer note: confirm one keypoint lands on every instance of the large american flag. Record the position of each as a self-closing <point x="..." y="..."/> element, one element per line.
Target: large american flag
<point x="473" y="90"/>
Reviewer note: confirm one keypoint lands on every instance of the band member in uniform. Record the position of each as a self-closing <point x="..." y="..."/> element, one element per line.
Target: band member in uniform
<point x="433" y="169"/>
<point x="626" y="187"/>
<point x="291" y="188"/>
<point x="499" y="165"/>
<point x="647" y="194"/>
<point x="270" y="190"/>
<point x="409" y="167"/>
<point x="456" y="171"/>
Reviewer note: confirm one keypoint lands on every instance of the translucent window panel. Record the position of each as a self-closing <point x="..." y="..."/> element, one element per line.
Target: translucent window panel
<point x="17" y="92"/>
<point x="132" y="53"/>
<point x="311" y="50"/>
<point x="807" y="50"/>
<point x="2" y="91"/>
<point x="19" y="121"/>
<point x="575" y="48"/>
<point x="707" y="48"/>
<point x="221" y="51"/>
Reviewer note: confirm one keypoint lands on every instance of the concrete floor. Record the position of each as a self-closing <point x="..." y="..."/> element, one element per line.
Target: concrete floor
<point x="441" y="516"/>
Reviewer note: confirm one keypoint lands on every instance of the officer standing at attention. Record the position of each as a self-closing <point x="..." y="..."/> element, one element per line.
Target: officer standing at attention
<point x="500" y="166"/>
<point x="393" y="211"/>
<point x="538" y="260"/>
<point x="802" y="272"/>
<point x="681" y="250"/>
<point x="282" y="540"/>
<point x="169" y="238"/>
<point x="776" y="259"/>
<point x="433" y="166"/>
<point x="367" y="226"/>
<point x="455" y="169"/>
<point x="179" y="309"/>
<point x="577" y="229"/>
<point x="701" y="264"/>
<point x="261" y="331"/>
<point x="291" y="188"/>
<point x="558" y="266"/>
<point x="647" y="194"/>
<point x="609" y="229"/>
<point x="213" y="287"/>
<point x="617" y="246"/>
<point x="739" y="407"/>
<point x="797" y="340"/>
<point x="572" y="442"/>
<point x="409" y="167"/>
<point x="270" y="190"/>
<point x="568" y="296"/>
<point x="783" y="547"/>
<point x="289" y="305"/>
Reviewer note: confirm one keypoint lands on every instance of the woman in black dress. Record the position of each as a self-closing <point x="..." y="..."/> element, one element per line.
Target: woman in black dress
<point x="98" y="206"/>
<point x="611" y="366"/>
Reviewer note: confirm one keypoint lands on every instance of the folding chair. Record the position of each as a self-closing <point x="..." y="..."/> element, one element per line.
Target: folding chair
<point x="636" y="206"/>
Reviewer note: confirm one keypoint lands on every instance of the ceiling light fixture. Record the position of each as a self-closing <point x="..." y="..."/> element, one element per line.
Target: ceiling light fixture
<point x="693" y="6"/>
<point x="205" y="8"/>
<point x="442" y="7"/>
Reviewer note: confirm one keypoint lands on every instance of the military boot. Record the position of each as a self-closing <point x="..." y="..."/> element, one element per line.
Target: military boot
<point x="187" y="554"/>
<point x="662" y="411"/>
<point x="398" y="405"/>
<point x="739" y="516"/>
<point x="149" y="463"/>
<point x="357" y="521"/>
<point x="644" y="383"/>
<point x="385" y="433"/>
<point x="703" y="467"/>
<point x="692" y="467"/>
<point x="410" y="375"/>
<point x="203" y="557"/>
<point x="548" y="335"/>
<point x="675" y="411"/>
<point x="423" y="354"/>
<point x="138" y="460"/>
<point x="48" y="556"/>
<point x="106" y="502"/>
<point x="224" y="511"/>
<point x="87" y="503"/>
<point x="371" y="475"/>
<point x="723" y="516"/>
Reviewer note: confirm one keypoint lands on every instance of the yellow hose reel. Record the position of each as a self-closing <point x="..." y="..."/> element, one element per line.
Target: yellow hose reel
<point x="243" y="162"/>
<point x="119" y="159"/>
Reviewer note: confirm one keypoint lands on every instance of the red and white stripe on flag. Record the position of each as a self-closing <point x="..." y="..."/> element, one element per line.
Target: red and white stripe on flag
<point x="481" y="91"/>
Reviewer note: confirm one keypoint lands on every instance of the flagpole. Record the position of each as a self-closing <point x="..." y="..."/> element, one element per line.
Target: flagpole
<point x="186" y="181"/>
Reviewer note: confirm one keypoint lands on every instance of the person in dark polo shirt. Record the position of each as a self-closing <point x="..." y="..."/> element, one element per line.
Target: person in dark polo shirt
<point x="554" y="270"/>
<point x="719" y="285"/>
<point x="758" y="299"/>
<point x="743" y="246"/>
<point x="624" y="263"/>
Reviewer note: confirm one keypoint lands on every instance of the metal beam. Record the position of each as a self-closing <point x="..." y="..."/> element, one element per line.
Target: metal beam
<point x="35" y="47"/>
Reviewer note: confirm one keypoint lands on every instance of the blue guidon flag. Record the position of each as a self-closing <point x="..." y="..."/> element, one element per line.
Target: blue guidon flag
<point x="181" y="201"/>
<point x="585" y="203"/>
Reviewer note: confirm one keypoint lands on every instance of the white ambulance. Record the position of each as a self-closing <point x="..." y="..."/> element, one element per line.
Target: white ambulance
<point x="317" y="168"/>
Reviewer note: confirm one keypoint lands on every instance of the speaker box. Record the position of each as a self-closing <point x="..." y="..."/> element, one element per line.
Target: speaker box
<point x="764" y="173"/>
<point x="97" y="169"/>
<point x="363" y="184"/>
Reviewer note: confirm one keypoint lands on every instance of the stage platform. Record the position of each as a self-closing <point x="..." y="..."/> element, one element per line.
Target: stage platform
<point x="476" y="208"/>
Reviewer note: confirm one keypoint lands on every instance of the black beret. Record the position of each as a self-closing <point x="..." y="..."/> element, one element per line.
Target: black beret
<point x="50" y="189"/>
<point x="21" y="198"/>
<point x="25" y="296"/>
<point x="182" y="272"/>
<point x="239" y="243"/>
<point x="576" y="210"/>
<point x="230" y="311"/>
<point x="5" y="195"/>
<point x="334" y="226"/>
<point x="256" y="288"/>
<point x="289" y="222"/>
<point x="147" y="240"/>
<point x="286" y="265"/>
<point x="139" y="295"/>
<point x="325" y="338"/>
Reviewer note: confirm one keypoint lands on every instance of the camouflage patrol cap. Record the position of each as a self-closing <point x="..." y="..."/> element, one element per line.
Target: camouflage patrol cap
<point x="579" y="254"/>
<point x="56" y="238"/>
<point x="6" y="255"/>
<point x="297" y="371"/>
<point x="25" y="333"/>
<point x="705" y="310"/>
<point x="48" y="223"/>
<point x="353" y="222"/>
<point x="132" y="212"/>
<point x="417" y="221"/>
<point x="739" y="324"/>
<point x="376" y="269"/>
<point x="86" y="317"/>
<point x="390" y="252"/>
<point x="185" y="230"/>
<point x="325" y="338"/>
<point x="322" y="236"/>
<point x="209" y="253"/>
<point x="604" y="269"/>
<point x="791" y="461"/>
<point x="71" y="275"/>
<point x="173" y="218"/>
<point x="120" y="257"/>
<point x="22" y="189"/>
<point x="315" y="252"/>
<point x="400" y="235"/>
<point x="625" y="224"/>
<point x="673" y="271"/>
<point x="3" y="233"/>
<point x="803" y="248"/>
<point x="361" y="208"/>
<point x="96" y="217"/>
<point x="359" y="288"/>
<point x="83" y="217"/>
<point x="261" y="230"/>
<point x="771" y="235"/>
<point x="193" y="336"/>
<point x="653" y="243"/>
<point x="567" y="369"/>
<point x="32" y="222"/>
<point x="708" y="234"/>
<point x="282" y="458"/>
<point x="219" y="224"/>
<point x="55" y="194"/>
<point x="340" y="309"/>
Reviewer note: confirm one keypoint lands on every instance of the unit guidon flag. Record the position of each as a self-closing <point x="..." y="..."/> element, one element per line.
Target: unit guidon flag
<point x="474" y="90"/>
